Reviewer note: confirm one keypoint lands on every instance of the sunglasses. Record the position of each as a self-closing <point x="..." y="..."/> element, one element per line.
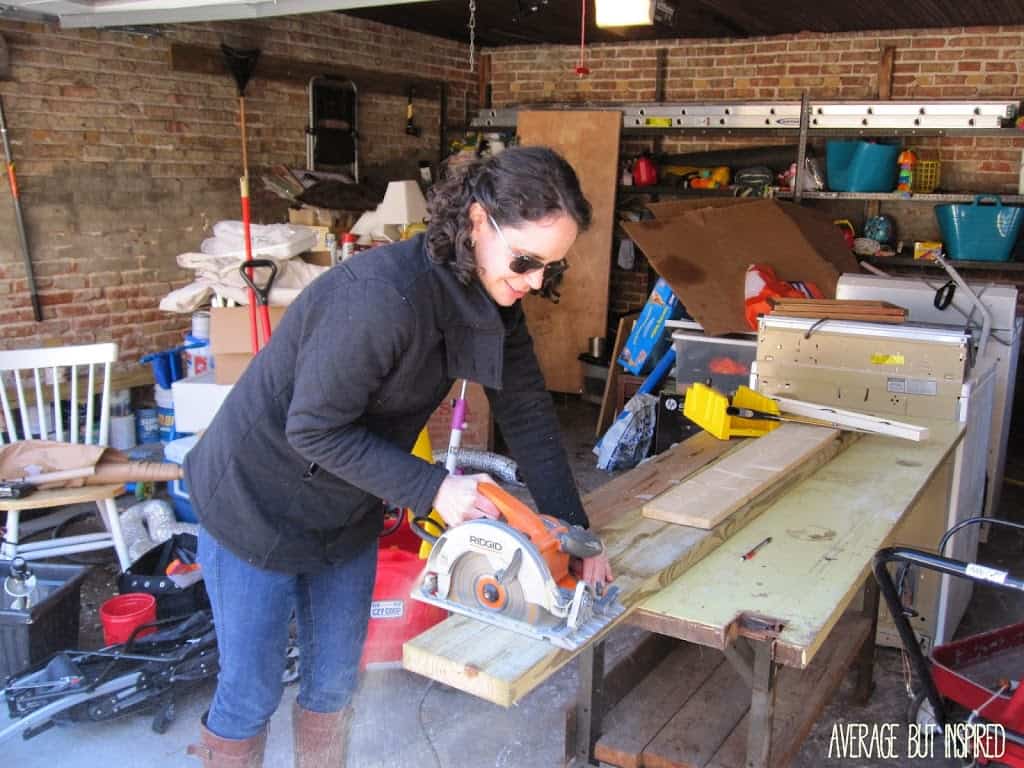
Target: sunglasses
<point x="524" y="263"/>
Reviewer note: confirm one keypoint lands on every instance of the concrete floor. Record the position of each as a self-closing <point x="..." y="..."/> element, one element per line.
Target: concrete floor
<point x="403" y="720"/>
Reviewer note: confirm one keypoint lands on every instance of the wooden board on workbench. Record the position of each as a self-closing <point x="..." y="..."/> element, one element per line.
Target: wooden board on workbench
<point x="611" y="384"/>
<point x="502" y="666"/>
<point x="589" y="141"/>
<point x="692" y="710"/>
<point x="759" y="469"/>
<point x="824" y="532"/>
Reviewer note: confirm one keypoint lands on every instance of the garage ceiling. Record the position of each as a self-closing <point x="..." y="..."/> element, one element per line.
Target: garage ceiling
<point x="518" y="22"/>
<point x="525" y="22"/>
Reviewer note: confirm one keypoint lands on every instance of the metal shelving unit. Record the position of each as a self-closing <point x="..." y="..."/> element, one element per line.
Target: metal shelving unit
<point x="895" y="197"/>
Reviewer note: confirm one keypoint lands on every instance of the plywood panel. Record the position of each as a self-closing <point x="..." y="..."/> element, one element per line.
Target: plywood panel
<point x="590" y="142"/>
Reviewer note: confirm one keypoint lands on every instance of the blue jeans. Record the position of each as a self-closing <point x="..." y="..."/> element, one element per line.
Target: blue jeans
<point x="251" y="611"/>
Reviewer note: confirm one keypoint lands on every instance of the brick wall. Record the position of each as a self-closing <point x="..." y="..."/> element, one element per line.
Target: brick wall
<point x="124" y="163"/>
<point x="984" y="63"/>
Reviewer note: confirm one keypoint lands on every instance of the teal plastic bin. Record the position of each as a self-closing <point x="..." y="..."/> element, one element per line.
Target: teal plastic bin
<point x="861" y="166"/>
<point x="985" y="230"/>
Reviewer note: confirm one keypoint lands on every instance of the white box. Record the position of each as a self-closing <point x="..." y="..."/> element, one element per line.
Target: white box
<point x="196" y="400"/>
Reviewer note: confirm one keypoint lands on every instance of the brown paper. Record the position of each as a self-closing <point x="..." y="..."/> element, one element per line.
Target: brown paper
<point x="29" y="458"/>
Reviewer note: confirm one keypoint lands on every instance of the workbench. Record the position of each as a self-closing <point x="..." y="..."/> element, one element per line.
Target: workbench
<point x="784" y="625"/>
<point x="687" y="584"/>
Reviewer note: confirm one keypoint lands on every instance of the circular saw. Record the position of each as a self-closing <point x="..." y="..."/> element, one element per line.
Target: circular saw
<point x="514" y="573"/>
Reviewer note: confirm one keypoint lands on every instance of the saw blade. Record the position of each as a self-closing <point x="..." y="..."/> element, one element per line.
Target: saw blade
<point x="473" y="573"/>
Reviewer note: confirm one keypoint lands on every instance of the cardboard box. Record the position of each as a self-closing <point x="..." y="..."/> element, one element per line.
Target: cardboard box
<point x="196" y="401"/>
<point x="231" y="341"/>
<point x="703" y="248"/>
<point x="311" y="216"/>
<point x="648" y="340"/>
<point x="321" y="236"/>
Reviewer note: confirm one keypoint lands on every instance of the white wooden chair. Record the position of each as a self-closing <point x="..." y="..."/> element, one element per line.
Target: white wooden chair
<point x="53" y="375"/>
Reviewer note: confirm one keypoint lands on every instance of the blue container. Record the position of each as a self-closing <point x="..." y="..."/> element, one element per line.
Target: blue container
<point x="861" y="166"/>
<point x="980" y="231"/>
<point x="176" y="451"/>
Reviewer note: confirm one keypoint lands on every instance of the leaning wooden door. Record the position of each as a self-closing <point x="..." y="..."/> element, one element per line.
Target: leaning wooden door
<point x="590" y="142"/>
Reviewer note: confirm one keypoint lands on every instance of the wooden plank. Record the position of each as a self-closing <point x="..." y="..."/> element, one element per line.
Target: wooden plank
<point x="885" y="69"/>
<point x="590" y="142"/>
<point x="824" y="532"/>
<point x="641" y="715"/>
<point x="502" y="666"/>
<point x="839" y="417"/>
<point x="768" y="464"/>
<point x="697" y="731"/>
<point x="800" y="698"/>
<point x="611" y="384"/>
<point x="200" y="60"/>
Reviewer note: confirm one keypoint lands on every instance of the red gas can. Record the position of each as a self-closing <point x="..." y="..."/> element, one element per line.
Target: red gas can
<point x="394" y="616"/>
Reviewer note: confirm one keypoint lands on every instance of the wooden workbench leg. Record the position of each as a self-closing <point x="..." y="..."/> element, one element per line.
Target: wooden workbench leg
<point x="762" y="706"/>
<point x="589" y="705"/>
<point x="866" y="658"/>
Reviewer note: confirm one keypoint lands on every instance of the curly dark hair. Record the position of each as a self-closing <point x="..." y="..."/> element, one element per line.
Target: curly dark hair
<point x="517" y="185"/>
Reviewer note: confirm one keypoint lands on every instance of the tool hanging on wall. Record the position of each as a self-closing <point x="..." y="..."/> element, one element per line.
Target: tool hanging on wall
<point x="240" y="64"/>
<point x="410" y="117"/>
<point x="37" y="310"/>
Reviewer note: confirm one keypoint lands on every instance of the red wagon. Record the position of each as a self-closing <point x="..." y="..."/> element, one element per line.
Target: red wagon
<point x="980" y="675"/>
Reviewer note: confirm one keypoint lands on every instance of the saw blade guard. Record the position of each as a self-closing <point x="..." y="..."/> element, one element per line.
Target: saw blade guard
<point x="498" y="544"/>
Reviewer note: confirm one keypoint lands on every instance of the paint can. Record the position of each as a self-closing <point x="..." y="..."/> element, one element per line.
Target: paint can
<point x="201" y="324"/>
<point x="164" y="413"/>
<point x="147" y="428"/>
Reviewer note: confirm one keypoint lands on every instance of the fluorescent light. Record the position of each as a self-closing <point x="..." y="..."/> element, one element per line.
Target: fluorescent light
<point x="624" y="13"/>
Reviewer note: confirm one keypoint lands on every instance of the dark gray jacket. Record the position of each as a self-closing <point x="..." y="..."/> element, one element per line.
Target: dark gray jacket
<point x="319" y="428"/>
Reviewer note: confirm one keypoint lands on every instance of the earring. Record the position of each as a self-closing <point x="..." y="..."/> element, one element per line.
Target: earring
<point x="472" y="243"/>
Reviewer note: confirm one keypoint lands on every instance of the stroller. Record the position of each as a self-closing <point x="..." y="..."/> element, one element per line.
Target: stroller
<point x="144" y="673"/>
<point x="980" y="674"/>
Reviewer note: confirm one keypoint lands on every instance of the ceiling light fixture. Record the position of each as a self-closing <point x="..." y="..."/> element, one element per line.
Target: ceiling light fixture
<point x="623" y="13"/>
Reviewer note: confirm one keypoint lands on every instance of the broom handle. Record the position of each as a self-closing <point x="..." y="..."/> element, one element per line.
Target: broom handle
<point x="245" y="150"/>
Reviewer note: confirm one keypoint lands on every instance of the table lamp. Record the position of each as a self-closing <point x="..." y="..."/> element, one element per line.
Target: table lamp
<point x="403" y="205"/>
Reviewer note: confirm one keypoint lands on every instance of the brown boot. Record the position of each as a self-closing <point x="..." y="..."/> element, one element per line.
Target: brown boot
<point x="217" y="752"/>
<point x="321" y="738"/>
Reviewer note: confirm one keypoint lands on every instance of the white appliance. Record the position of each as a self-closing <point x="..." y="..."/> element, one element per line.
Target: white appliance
<point x="917" y="296"/>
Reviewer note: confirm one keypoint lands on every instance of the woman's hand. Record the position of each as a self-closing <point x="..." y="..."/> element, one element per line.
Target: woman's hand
<point x="596" y="571"/>
<point x="457" y="499"/>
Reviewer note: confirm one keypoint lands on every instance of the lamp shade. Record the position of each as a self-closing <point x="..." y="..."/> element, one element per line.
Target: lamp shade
<point x="623" y="13"/>
<point x="403" y="204"/>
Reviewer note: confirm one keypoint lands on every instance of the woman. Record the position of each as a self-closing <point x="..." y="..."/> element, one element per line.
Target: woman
<point x="288" y="480"/>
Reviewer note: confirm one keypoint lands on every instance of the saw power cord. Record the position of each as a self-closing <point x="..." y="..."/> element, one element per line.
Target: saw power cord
<point x="426" y="733"/>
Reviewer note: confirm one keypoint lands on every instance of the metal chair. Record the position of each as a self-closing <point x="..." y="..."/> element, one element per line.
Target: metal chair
<point x="55" y="377"/>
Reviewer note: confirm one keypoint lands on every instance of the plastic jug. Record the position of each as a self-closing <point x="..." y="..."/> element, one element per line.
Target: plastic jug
<point x="20" y="586"/>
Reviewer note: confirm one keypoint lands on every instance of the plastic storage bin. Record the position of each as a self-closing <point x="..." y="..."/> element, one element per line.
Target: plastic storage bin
<point x="724" y="360"/>
<point x="51" y="625"/>
<point x="861" y="166"/>
<point x="985" y="230"/>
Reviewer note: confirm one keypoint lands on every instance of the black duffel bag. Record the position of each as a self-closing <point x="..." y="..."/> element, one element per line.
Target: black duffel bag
<point x="149" y="574"/>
